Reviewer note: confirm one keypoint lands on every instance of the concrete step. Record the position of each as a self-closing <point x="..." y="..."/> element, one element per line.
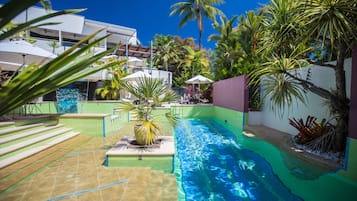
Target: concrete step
<point x="30" y="152"/>
<point x="28" y="133"/>
<point x="169" y="188"/>
<point x="29" y="142"/>
<point x="155" y="186"/>
<point x="6" y="124"/>
<point x="18" y="128"/>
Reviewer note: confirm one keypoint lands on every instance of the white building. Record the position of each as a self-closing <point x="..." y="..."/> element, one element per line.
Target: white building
<point x="72" y="28"/>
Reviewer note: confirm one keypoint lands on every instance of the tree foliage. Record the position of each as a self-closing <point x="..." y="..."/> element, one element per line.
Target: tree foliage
<point x="197" y="10"/>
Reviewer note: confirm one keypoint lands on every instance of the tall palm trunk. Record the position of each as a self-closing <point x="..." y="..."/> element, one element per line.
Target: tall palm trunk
<point x="200" y="26"/>
<point x="166" y="65"/>
<point x="342" y="112"/>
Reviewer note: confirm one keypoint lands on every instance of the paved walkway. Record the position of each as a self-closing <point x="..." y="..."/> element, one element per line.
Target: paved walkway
<point x="81" y="175"/>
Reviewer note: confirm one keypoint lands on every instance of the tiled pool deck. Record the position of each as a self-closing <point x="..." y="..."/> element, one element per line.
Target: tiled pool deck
<point x="81" y="175"/>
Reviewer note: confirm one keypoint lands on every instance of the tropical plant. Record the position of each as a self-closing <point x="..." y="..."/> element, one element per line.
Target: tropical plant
<point x="225" y="29"/>
<point x="283" y="27"/>
<point x="280" y="83"/>
<point x="167" y="51"/>
<point x="53" y="44"/>
<point x="314" y="134"/>
<point x="334" y="21"/>
<point x="195" y="62"/>
<point x="37" y="80"/>
<point x="186" y="42"/>
<point x="250" y="33"/>
<point x="323" y="20"/>
<point x="112" y="87"/>
<point x="151" y="93"/>
<point x="236" y="50"/>
<point x="196" y="9"/>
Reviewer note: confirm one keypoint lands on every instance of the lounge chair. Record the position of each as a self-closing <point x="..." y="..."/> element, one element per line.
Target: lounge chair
<point x="185" y="99"/>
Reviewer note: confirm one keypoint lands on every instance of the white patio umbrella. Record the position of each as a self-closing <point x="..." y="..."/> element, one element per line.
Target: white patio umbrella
<point x="135" y="62"/>
<point x="198" y="79"/>
<point x="22" y="52"/>
<point x="133" y="78"/>
<point x="136" y="75"/>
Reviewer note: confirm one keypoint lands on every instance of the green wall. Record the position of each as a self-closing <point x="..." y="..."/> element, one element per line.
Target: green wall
<point x="350" y="170"/>
<point x="100" y="126"/>
<point x="230" y="117"/>
<point x="97" y="107"/>
<point x="223" y="115"/>
<point x="196" y="111"/>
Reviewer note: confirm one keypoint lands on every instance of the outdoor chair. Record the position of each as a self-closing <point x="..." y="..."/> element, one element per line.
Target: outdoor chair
<point x="185" y="99"/>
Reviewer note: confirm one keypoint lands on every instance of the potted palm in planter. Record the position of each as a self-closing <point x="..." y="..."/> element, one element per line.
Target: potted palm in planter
<point x="150" y="93"/>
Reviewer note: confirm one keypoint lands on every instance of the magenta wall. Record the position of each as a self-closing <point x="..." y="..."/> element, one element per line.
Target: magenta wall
<point x="353" y="105"/>
<point x="231" y="93"/>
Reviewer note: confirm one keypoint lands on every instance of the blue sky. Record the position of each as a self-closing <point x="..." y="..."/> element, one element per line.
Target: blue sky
<point x="149" y="17"/>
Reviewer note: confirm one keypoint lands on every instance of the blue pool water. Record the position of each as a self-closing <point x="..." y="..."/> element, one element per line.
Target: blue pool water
<point x="214" y="167"/>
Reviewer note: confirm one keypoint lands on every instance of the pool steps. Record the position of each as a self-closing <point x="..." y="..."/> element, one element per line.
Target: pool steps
<point x="17" y="129"/>
<point x="29" y="133"/>
<point x="20" y="142"/>
<point x="156" y="185"/>
<point x="6" y="124"/>
<point x="32" y="141"/>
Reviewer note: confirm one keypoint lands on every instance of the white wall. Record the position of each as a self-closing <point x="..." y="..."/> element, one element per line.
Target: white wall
<point x="320" y="76"/>
<point x="69" y="23"/>
<point x="160" y="74"/>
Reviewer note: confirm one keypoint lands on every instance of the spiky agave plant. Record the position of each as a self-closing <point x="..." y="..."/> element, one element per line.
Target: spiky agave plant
<point x="151" y="93"/>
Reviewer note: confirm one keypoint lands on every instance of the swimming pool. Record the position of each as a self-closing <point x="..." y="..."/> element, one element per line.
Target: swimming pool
<point x="214" y="163"/>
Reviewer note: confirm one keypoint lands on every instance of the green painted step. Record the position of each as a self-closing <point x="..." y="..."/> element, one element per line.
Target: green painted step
<point x="6" y="124"/>
<point x="155" y="186"/>
<point x="37" y="149"/>
<point x="12" y="138"/>
<point x="18" y="128"/>
<point x="29" y="142"/>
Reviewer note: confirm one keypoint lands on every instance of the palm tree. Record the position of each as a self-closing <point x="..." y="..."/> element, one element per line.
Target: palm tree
<point x="226" y="50"/>
<point x="186" y="42"/>
<point x="167" y="51"/>
<point x="282" y="26"/>
<point x="335" y="21"/>
<point x="111" y="88"/>
<point x="236" y="46"/>
<point x="54" y="45"/>
<point x="196" y="9"/>
<point x="225" y="29"/>
<point x="151" y="93"/>
<point x="250" y="33"/>
<point x="196" y="60"/>
<point x="324" y="20"/>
